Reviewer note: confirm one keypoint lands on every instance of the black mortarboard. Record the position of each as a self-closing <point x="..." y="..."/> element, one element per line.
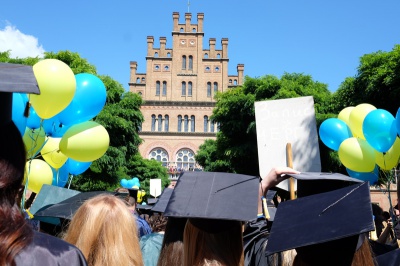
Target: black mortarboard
<point x="163" y="200"/>
<point x="311" y="183"/>
<point x="323" y="228"/>
<point x="391" y="258"/>
<point x="14" y="78"/>
<point x="48" y="196"/>
<point x="133" y="193"/>
<point x="214" y="199"/>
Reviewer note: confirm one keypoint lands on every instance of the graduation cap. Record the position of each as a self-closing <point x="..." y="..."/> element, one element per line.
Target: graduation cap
<point x="163" y="200"/>
<point x="326" y="228"/>
<point x="14" y="78"/>
<point x="133" y="193"/>
<point x="48" y="196"/>
<point x="66" y="209"/>
<point x="311" y="183"/>
<point x="212" y="199"/>
<point x="391" y="258"/>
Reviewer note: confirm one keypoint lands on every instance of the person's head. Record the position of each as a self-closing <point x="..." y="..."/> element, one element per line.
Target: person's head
<point x="12" y="166"/>
<point x="105" y="231"/>
<point x="222" y="246"/>
<point x="172" y="247"/>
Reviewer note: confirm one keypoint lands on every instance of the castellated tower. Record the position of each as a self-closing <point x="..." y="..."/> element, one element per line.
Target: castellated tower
<point x="178" y="89"/>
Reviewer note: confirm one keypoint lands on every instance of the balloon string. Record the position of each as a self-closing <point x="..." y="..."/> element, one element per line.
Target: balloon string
<point x="70" y="181"/>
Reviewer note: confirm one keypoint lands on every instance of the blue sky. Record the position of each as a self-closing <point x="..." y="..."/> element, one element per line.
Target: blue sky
<point x="324" y="39"/>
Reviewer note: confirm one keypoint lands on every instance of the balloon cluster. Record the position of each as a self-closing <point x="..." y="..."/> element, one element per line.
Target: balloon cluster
<point x="366" y="139"/>
<point x="134" y="183"/>
<point x="59" y="127"/>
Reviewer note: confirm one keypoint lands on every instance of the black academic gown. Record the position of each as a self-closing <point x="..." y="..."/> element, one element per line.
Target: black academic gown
<point x="49" y="250"/>
<point x="255" y="238"/>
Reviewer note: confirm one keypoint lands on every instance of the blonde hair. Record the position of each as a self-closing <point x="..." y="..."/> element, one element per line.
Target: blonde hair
<point x="105" y="231"/>
<point x="203" y="248"/>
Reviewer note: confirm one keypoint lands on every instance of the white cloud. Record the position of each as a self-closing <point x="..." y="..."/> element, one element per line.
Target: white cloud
<point x="19" y="44"/>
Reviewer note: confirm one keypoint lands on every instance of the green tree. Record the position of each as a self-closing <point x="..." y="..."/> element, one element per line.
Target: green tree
<point x="235" y="148"/>
<point x="377" y="82"/>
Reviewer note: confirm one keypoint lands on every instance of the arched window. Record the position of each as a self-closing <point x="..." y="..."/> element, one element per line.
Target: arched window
<point x="168" y="54"/>
<point x="183" y="88"/>
<point x="155" y="54"/>
<point x="166" y="123"/>
<point x="211" y="126"/>
<point x="159" y="154"/>
<point x="185" y="159"/>
<point x="205" y="55"/>
<point x="179" y="123"/>
<point x="205" y="123"/>
<point x="164" y="88"/>
<point x="192" y="123"/>
<point x="140" y="93"/>
<point x="160" y="122"/>
<point x="138" y="80"/>
<point x="194" y="30"/>
<point x="189" y="88"/>
<point x="230" y="81"/>
<point x="153" y="123"/>
<point x="235" y="82"/>
<point x="208" y="89"/>
<point x="186" y="124"/>
<point x="218" y="56"/>
<point x="143" y="80"/>
<point x="181" y="30"/>
<point x="184" y="62"/>
<point x="166" y="68"/>
<point x="190" y="62"/>
<point x="157" y="88"/>
<point x="215" y="87"/>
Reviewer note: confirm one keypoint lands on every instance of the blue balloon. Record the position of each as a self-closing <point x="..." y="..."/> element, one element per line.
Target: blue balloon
<point x="60" y="176"/>
<point x="54" y="128"/>
<point x="333" y="132"/>
<point x="131" y="183"/>
<point x="372" y="177"/>
<point x="136" y="182"/>
<point x="33" y="121"/>
<point x="89" y="99"/>
<point x="379" y="129"/>
<point x="18" y="109"/>
<point x="76" y="167"/>
<point x="124" y="183"/>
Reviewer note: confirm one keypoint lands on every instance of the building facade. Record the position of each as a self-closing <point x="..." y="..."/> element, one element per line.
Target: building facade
<point x="178" y="89"/>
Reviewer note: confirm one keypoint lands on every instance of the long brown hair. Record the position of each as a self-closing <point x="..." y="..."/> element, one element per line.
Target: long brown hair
<point x="15" y="233"/>
<point x="222" y="248"/>
<point x="105" y="231"/>
<point x="172" y="246"/>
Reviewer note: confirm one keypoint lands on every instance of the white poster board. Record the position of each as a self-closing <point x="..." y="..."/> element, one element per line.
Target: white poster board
<point x="155" y="187"/>
<point x="284" y="121"/>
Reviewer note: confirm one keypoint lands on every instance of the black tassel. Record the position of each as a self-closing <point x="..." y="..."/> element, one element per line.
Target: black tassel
<point x="26" y="111"/>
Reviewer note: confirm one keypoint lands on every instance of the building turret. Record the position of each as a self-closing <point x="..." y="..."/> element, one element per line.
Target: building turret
<point x="163" y="41"/>
<point x="188" y="18"/>
<point x="200" y="18"/>
<point x="224" y="44"/>
<point x="212" y="47"/>
<point x="175" y="17"/>
<point x="150" y="43"/>
<point x="133" y="66"/>
<point x="240" y="70"/>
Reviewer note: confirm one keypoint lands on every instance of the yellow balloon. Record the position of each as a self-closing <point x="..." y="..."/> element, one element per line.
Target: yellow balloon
<point x="57" y="86"/>
<point x="356" y="119"/>
<point x="37" y="173"/>
<point x="33" y="140"/>
<point x="357" y="155"/>
<point x="344" y="115"/>
<point x="85" y="142"/>
<point x="140" y="195"/>
<point x="389" y="159"/>
<point x="51" y="153"/>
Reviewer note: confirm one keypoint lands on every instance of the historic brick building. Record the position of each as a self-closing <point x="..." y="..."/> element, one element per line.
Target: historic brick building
<point x="178" y="89"/>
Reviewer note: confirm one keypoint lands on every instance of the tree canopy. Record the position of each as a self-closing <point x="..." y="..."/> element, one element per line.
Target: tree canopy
<point x="121" y="116"/>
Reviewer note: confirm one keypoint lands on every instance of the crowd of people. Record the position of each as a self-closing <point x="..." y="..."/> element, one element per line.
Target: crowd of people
<point x="210" y="219"/>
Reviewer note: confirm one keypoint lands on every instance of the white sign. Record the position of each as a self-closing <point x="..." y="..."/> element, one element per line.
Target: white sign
<point x="284" y="121"/>
<point x="155" y="187"/>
